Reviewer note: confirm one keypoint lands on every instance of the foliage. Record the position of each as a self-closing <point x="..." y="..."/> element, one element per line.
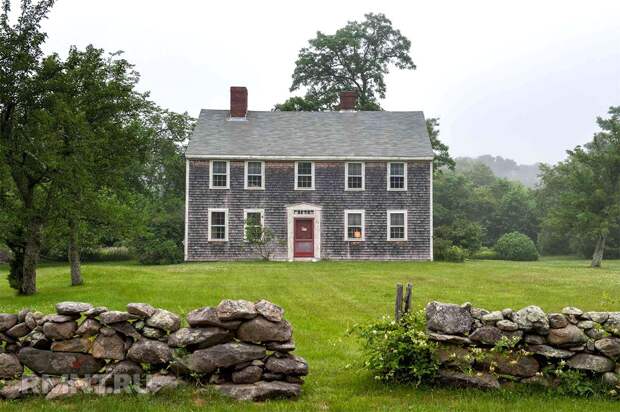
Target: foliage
<point x="572" y="382"/>
<point x="107" y="254"/>
<point x="356" y="57"/>
<point x="455" y="254"/>
<point x="442" y="157"/>
<point x="516" y="246"/>
<point x="160" y="239"/>
<point x="503" y="168"/>
<point x="261" y="239"/>
<point x="485" y="253"/>
<point x="462" y="233"/>
<point x="399" y="351"/>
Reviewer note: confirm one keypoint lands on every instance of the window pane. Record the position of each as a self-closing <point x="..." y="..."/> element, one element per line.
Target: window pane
<point x="304" y="181"/>
<point x="355" y="169"/>
<point x="254" y="218"/>
<point x="397" y="219"/>
<point x="355" y="182"/>
<point x="355" y="219"/>
<point x="218" y="219"/>
<point x="304" y="168"/>
<point x="397" y="182"/>
<point x="354" y="232"/>
<point x="219" y="180"/>
<point x="397" y="233"/>
<point x="397" y="169"/>
<point x="255" y="181"/>
<point x="255" y="168"/>
<point x="219" y="167"/>
<point x="218" y="232"/>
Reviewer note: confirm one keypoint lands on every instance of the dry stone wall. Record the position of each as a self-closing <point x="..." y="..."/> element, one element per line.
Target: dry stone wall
<point x="482" y="348"/>
<point x="243" y="348"/>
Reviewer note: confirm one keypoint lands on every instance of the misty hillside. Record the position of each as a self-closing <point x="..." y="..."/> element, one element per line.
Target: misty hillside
<point x="501" y="167"/>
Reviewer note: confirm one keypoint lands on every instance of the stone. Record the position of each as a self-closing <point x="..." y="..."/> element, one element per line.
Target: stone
<point x="490" y="335"/>
<point x="59" y="318"/>
<point x="596" y="333"/>
<point x="63" y="390"/>
<point x="80" y="345"/>
<point x="609" y="347"/>
<point x="114" y="316"/>
<point x="72" y="308"/>
<point x="59" y="331"/>
<point x="579" y="348"/>
<point x="249" y="374"/>
<point x="568" y="335"/>
<point x="224" y="355"/>
<point x="31" y="319"/>
<point x="96" y="311"/>
<point x="260" y="391"/>
<point x="507" y="313"/>
<point x="507" y="325"/>
<point x="207" y="316"/>
<point x="453" y="355"/>
<point x="37" y="340"/>
<point x="449" y="338"/>
<point x="479" y="380"/>
<point x="477" y="313"/>
<point x="260" y="329"/>
<point x="269" y="311"/>
<point x="270" y="376"/>
<point x="149" y="351"/>
<point x="294" y="379"/>
<point x="236" y="310"/>
<point x="18" y="331"/>
<point x="612" y="324"/>
<point x="448" y="319"/>
<point x="126" y="329"/>
<point x="557" y="321"/>
<point x="281" y="346"/>
<point x="107" y="331"/>
<point x="7" y="321"/>
<point x="89" y="327"/>
<point x="532" y="318"/>
<point x="513" y="365"/>
<point x="549" y="351"/>
<point x="610" y="379"/>
<point x="59" y="363"/>
<point x="543" y="381"/>
<point x="160" y="383"/>
<point x="31" y="385"/>
<point x="594" y="363"/>
<point x="153" y="333"/>
<point x="122" y="373"/>
<point x="535" y="339"/>
<point x="21" y="315"/>
<point x="165" y="320"/>
<point x="10" y="367"/>
<point x="142" y="310"/>
<point x="108" y="347"/>
<point x="598" y="317"/>
<point x="492" y="317"/>
<point x="570" y="310"/>
<point x="586" y="324"/>
<point x="201" y="337"/>
<point x="288" y="365"/>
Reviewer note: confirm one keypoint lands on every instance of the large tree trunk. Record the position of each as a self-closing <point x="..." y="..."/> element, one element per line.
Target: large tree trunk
<point x="30" y="259"/>
<point x="599" y="250"/>
<point x="74" y="254"/>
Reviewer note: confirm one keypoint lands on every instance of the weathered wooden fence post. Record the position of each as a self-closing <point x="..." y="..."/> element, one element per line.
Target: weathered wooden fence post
<point x="399" y="301"/>
<point x="408" y="297"/>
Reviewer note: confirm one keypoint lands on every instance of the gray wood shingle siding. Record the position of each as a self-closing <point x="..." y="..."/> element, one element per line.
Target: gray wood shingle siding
<point x="329" y="194"/>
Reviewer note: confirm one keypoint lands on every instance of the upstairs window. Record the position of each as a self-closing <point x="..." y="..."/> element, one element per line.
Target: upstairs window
<point x="254" y="175"/>
<point x="397" y="224"/>
<point x="220" y="171"/>
<point x="354" y="176"/>
<point x="304" y="176"/>
<point x="397" y="176"/>
<point x="354" y="225"/>
<point x="218" y="225"/>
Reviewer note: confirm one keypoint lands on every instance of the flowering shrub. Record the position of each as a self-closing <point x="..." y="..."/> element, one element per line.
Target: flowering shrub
<point x="399" y="351"/>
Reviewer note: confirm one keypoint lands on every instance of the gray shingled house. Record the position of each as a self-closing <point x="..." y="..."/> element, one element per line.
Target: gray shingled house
<point x="329" y="185"/>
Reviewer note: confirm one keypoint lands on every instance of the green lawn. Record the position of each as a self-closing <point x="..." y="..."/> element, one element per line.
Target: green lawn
<point x="322" y="300"/>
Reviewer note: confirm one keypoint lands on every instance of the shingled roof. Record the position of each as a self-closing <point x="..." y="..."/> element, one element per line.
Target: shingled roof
<point x="311" y="135"/>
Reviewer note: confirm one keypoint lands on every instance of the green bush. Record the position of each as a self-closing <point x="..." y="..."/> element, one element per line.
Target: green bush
<point x="516" y="246"/>
<point x="399" y="351"/>
<point x="440" y="248"/>
<point x="485" y="253"/>
<point x="106" y="254"/>
<point x="154" y="251"/>
<point x="455" y="254"/>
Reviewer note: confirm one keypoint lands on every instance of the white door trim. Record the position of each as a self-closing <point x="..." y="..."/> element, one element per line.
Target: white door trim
<point x="302" y="210"/>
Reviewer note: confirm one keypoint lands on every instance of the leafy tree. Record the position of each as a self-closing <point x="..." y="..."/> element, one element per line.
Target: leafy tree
<point x="356" y="57"/>
<point x="516" y="246"/>
<point x="581" y="195"/>
<point x="442" y="155"/>
<point x="261" y="239"/>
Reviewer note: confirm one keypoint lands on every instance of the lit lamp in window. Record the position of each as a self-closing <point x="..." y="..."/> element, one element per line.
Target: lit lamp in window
<point x="357" y="234"/>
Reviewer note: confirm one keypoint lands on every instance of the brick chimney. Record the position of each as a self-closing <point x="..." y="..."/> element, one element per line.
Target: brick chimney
<point x="238" y="102"/>
<point x="348" y="99"/>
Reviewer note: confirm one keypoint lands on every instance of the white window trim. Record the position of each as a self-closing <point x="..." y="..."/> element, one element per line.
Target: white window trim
<point x="227" y="175"/>
<point x="209" y="211"/>
<point x="245" y="218"/>
<point x="346" y="178"/>
<point x="389" y="225"/>
<point x="346" y="225"/>
<point x="262" y="179"/>
<point x="296" y="176"/>
<point x="389" y="175"/>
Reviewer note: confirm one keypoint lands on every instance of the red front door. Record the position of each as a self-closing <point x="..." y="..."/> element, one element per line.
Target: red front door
<point x="304" y="238"/>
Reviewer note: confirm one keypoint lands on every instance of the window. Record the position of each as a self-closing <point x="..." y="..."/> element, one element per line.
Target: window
<point x="397" y="176"/>
<point x="304" y="176"/>
<point x="254" y="220"/>
<point x="354" y="176"/>
<point x="254" y="175"/>
<point x="397" y="224"/>
<point x="220" y="169"/>
<point x="218" y="225"/>
<point x="354" y="225"/>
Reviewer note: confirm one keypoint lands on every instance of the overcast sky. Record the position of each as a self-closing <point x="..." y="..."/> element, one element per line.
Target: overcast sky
<point x="520" y="79"/>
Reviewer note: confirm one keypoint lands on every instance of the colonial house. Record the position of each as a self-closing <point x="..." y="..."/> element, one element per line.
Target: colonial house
<point x="329" y="185"/>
